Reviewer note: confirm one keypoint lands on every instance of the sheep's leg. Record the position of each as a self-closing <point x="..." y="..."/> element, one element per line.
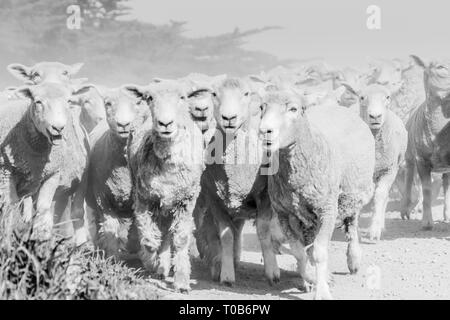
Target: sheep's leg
<point x="320" y="253"/>
<point x="406" y="210"/>
<point x="149" y="236"/>
<point x="208" y="244"/>
<point x="77" y="213"/>
<point x="239" y="225"/>
<point x="108" y="238"/>
<point x="381" y="196"/>
<point x="164" y="256"/>
<point x="353" y="248"/>
<point x="304" y="266"/>
<point x="263" y="229"/>
<point x="226" y="233"/>
<point x="27" y="210"/>
<point x="92" y="225"/>
<point x="182" y="230"/>
<point x="425" y="178"/>
<point x="61" y="214"/>
<point x="44" y="218"/>
<point x="8" y="192"/>
<point x="445" y="185"/>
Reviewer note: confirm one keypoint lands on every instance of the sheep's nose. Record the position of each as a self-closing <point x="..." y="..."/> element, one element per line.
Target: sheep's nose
<point x="58" y="128"/>
<point x="123" y="125"/>
<point x="229" y="117"/>
<point x="375" y="117"/>
<point x="164" y="124"/>
<point x="201" y="108"/>
<point x="265" y="131"/>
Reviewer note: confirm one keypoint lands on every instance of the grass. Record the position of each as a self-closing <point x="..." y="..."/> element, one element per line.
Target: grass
<point x="55" y="269"/>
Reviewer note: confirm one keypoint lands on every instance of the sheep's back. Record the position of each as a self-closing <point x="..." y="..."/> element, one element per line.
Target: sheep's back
<point x="355" y="144"/>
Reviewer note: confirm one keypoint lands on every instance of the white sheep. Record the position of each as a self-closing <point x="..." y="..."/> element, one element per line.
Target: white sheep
<point x="40" y="150"/>
<point x="166" y="163"/>
<point x="107" y="180"/>
<point x="391" y="139"/>
<point x="326" y="160"/>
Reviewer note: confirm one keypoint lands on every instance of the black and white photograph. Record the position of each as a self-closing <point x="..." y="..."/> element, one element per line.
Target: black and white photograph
<point x="242" y="150"/>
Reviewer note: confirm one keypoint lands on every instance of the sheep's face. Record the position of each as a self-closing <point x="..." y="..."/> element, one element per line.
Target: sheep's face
<point x="121" y="111"/>
<point x="169" y="112"/>
<point x="388" y="73"/>
<point x="236" y="104"/>
<point x="44" y="72"/>
<point x="437" y="79"/>
<point x="49" y="109"/>
<point x="92" y="106"/>
<point x="374" y="103"/>
<point x="201" y="106"/>
<point x="280" y="114"/>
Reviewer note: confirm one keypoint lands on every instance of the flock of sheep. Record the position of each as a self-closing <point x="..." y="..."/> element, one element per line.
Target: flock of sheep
<point x="152" y="170"/>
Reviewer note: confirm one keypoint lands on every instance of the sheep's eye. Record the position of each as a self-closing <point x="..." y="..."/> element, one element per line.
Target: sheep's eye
<point x="362" y="98"/>
<point x="108" y="104"/>
<point x="388" y="97"/>
<point x="246" y="94"/>
<point x="36" y="75"/>
<point x="292" y="108"/>
<point x="65" y="73"/>
<point x="182" y="97"/>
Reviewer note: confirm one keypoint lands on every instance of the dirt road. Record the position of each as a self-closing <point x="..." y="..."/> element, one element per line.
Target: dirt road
<point x="410" y="264"/>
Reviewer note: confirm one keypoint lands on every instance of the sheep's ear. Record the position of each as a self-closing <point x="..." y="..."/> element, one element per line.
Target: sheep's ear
<point x="19" y="71"/>
<point x="257" y="79"/>
<point x="75" y="68"/>
<point x="24" y="92"/>
<point x="141" y="93"/>
<point x="350" y="88"/>
<point x="158" y="80"/>
<point x="418" y="61"/>
<point x="77" y="90"/>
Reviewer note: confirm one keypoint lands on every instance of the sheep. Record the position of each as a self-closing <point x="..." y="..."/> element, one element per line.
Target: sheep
<point x="40" y="152"/>
<point x="45" y="72"/>
<point x="230" y="185"/>
<point x="166" y="163"/>
<point x="427" y="139"/>
<point x="391" y="139"/>
<point x="86" y="112"/>
<point x="91" y="111"/>
<point x="92" y="108"/>
<point x="326" y="160"/>
<point x="107" y="180"/>
<point x="202" y="99"/>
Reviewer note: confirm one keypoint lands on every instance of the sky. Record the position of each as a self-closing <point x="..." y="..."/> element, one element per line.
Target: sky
<point x="330" y="29"/>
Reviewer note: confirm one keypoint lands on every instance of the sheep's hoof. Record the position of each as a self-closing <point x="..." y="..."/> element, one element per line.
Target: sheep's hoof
<point x="227" y="283"/>
<point x="305" y="286"/>
<point x="405" y="215"/>
<point x="323" y="294"/>
<point x="160" y="276"/>
<point x="215" y="272"/>
<point x="183" y="290"/>
<point x="275" y="280"/>
<point x="427" y="227"/>
<point x="375" y="233"/>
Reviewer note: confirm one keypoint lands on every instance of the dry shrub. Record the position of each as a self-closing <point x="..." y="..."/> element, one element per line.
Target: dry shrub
<point x="55" y="269"/>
